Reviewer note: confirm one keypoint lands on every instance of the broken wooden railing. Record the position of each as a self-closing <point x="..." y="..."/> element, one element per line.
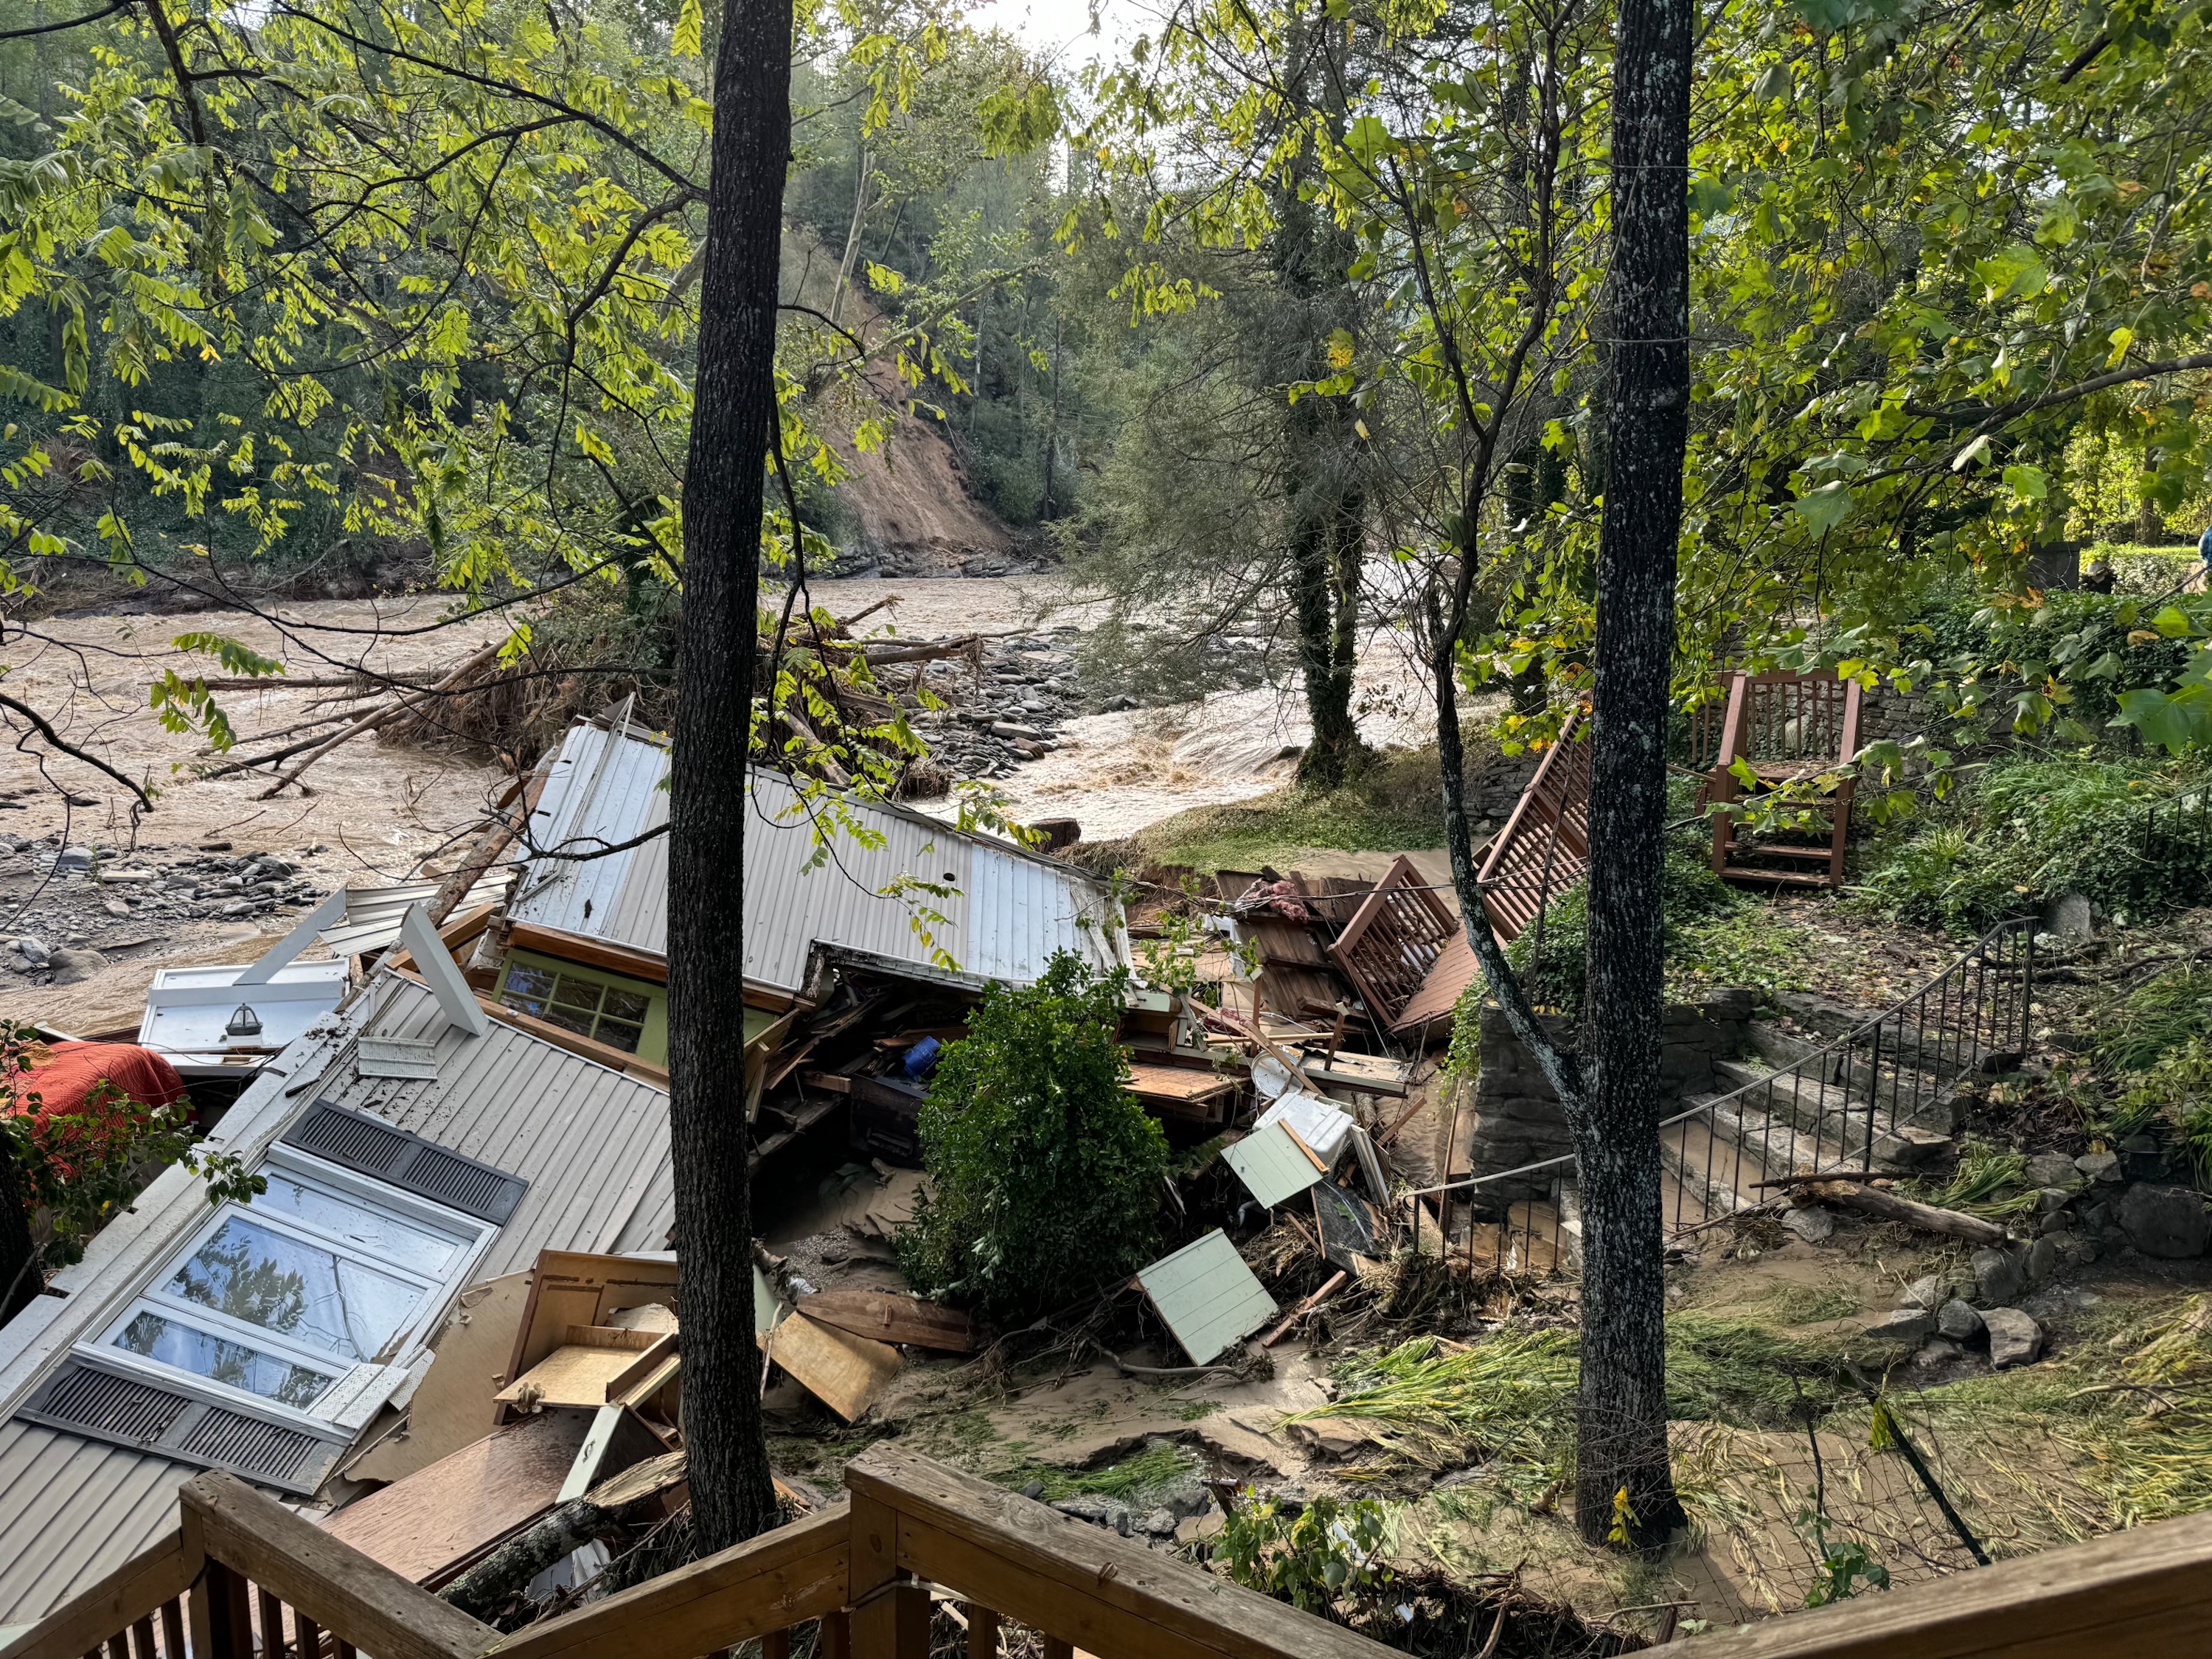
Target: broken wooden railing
<point x="243" y="1577"/>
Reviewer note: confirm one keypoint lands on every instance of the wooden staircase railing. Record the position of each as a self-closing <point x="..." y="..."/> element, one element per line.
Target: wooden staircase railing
<point x="243" y="1577"/>
<point x="1544" y="848"/>
<point x="1787" y="728"/>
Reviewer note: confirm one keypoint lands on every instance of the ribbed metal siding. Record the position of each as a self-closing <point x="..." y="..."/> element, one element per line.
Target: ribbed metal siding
<point x="600" y="789"/>
<point x="1020" y="912"/>
<point x="790" y="909"/>
<point x="71" y="1512"/>
<point x="592" y="1143"/>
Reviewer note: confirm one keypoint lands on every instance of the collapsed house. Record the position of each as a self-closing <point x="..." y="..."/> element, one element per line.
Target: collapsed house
<point x="450" y="1121"/>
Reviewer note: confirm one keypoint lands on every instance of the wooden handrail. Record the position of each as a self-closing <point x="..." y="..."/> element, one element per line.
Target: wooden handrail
<point x="767" y="1583"/>
<point x="1080" y="1584"/>
<point x="135" y="1590"/>
<point x="2143" y="1594"/>
<point x="362" y="1602"/>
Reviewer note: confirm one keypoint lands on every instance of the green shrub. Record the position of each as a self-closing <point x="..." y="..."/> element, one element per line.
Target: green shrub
<point x="2038" y="827"/>
<point x="1692" y="898"/>
<point x="1047" y="1174"/>
<point x="1309" y="1557"/>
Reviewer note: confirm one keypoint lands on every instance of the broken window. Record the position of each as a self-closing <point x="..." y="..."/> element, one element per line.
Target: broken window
<point x="608" y="1012"/>
<point x="283" y="1295"/>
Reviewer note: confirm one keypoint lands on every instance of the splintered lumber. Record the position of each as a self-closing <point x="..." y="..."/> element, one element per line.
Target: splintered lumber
<point x="1335" y="1283"/>
<point x="843" y="1371"/>
<point x="890" y="1318"/>
<point x="1873" y="1200"/>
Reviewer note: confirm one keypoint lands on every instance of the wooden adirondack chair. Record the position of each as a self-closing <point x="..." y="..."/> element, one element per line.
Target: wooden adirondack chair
<point x="1785" y="726"/>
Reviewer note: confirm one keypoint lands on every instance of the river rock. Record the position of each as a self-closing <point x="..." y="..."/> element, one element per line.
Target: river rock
<point x="1959" y="1320"/>
<point x="1814" y="1226"/>
<point x="2165" y="1221"/>
<point x="72" y="966"/>
<point x="2015" y="1338"/>
<point x="1925" y="1293"/>
<point x="1908" y="1326"/>
<point x="1998" y="1275"/>
<point x="2099" y="1166"/>
<point x="32" y="951"/>
<point x="2053" y="1170"/>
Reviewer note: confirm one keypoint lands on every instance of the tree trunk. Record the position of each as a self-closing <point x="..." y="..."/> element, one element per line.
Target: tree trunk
<point x="732" y="424"/>
<point x="20" y="1277"/>
<point x="1621" y="1453"/>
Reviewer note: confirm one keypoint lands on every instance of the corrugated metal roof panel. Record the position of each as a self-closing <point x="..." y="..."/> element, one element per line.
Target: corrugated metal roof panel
<point x="602" y="789"/>
<point x="73" y="1511"/>
<point x="1011" y="910"/>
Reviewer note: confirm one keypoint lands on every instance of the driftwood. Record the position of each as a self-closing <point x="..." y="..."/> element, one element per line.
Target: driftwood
<point x="484" y="1588"/>
<point x="1873" y="1200"/>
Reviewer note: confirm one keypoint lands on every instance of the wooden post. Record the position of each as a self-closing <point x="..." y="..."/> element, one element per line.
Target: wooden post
<point x="893" y="1624"/>
<point x="836" y="1641"/>
<point x="982" y="1631"/>
<point x="222" y="1625"/>
<point x="776" y="1644"/>
<point x="1056" y="1649"/>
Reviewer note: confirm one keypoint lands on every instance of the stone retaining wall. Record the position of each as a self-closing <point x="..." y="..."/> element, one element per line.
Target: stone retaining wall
<point x="1517" y="1116"/>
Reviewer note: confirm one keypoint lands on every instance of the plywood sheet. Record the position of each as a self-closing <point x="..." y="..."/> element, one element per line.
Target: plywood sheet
<point x="1271" y="1165"/>
<point x="423" y="1526"/>
<point x="452" y="1405"/>
<point x="843" y="1371"/>
<point x="578" y="1287"/>
<point x="1178" y="1082"/>
<point x="1207" y="1297"/>
<point x="581" y="1374"/>
<point x="891" y="1318"/>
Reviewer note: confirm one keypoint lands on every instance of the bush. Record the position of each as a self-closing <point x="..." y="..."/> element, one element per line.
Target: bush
<point x="1692" y="896"/>
<point x="2038" y="827"/>
<point x="1046" y="1175"/>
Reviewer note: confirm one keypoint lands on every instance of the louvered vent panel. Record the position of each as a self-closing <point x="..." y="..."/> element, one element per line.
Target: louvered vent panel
<point x="111" y="1405"/>
<point x="407" y="1161"/>
<point x="465" y="1186"/>
<point x="251" y="1447"/>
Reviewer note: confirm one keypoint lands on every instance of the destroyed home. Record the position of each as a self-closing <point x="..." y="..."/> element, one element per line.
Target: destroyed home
<point x="767" y="899"/>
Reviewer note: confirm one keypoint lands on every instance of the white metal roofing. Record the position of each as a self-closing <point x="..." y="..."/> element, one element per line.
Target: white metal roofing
<point x="372" y="914"/>
<point x="1002" y="914"/>
<point x="593" y="1143"/>
<point x="188" y="1010"/>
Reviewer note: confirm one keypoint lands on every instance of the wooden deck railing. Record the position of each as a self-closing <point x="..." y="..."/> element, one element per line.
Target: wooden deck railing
<point x="242" y="1578"/>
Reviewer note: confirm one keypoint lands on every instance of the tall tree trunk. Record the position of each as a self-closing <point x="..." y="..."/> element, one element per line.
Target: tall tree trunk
<point x="732" y="424"/>
<point x="1622" y="1452"/>
<point x="20" y="1277"/>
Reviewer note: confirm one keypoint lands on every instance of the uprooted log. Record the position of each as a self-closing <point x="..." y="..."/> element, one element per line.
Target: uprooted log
<point x="1873" y="1200"/>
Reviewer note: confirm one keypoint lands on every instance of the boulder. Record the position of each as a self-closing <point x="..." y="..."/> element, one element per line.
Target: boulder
<point x="2053" y="1170"/>
<point x="2069" y="919"/>
<point x="1814" y="1225"/>
<point x="72" y="966"/>
<point x="1925" y="1293"/>
<point x="2042" y="1260"/>
<point x="2015" y="1338"/>
<point x="2099" y="1166"/>
<point x="1959" y="1320"/>
<point x="1907" y="1326"/>
<point x="1997" y="1275"/>
<point x="2165" y="1221"/>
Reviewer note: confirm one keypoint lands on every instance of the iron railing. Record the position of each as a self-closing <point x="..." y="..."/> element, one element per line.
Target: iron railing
<point x="1880" y="1092"/>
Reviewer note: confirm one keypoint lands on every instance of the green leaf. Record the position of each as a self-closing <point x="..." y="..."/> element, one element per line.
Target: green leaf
<point x="1823" y="508"/>
<point x="235" y="659"/>
<point x="2028" y="482"/>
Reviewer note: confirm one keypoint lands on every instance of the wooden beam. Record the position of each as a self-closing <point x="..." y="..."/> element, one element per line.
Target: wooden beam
<point x="767" y="1583"/>
<point x="356" y="1599"/>
<point x="623" y="959"/>
<point x="133" y="1592"/>
<point x="1077" y="1583"/>
<point x="2143" y="1594"/>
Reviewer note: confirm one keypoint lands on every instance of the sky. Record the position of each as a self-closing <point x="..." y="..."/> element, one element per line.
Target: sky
<point x="1059" y="30"/>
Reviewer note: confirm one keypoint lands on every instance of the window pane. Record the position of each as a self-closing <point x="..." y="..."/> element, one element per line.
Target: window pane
<point x="173" y="1343"/>
<point x="269" y="1278"/>
<point x="526" y="981"/>
<point x="403" y="1244"/>
<point x="626" y="1005"/>
<point x="570" y="1019"/>
<point x="624" y="1037"/>
<point x="582" y="993"/>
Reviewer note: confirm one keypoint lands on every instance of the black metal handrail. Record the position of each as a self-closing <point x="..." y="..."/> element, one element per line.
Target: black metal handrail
<point x="1865" y="1096"/>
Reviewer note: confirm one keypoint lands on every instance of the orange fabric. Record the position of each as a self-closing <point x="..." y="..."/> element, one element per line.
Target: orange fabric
<point x="62" y="1082"/>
